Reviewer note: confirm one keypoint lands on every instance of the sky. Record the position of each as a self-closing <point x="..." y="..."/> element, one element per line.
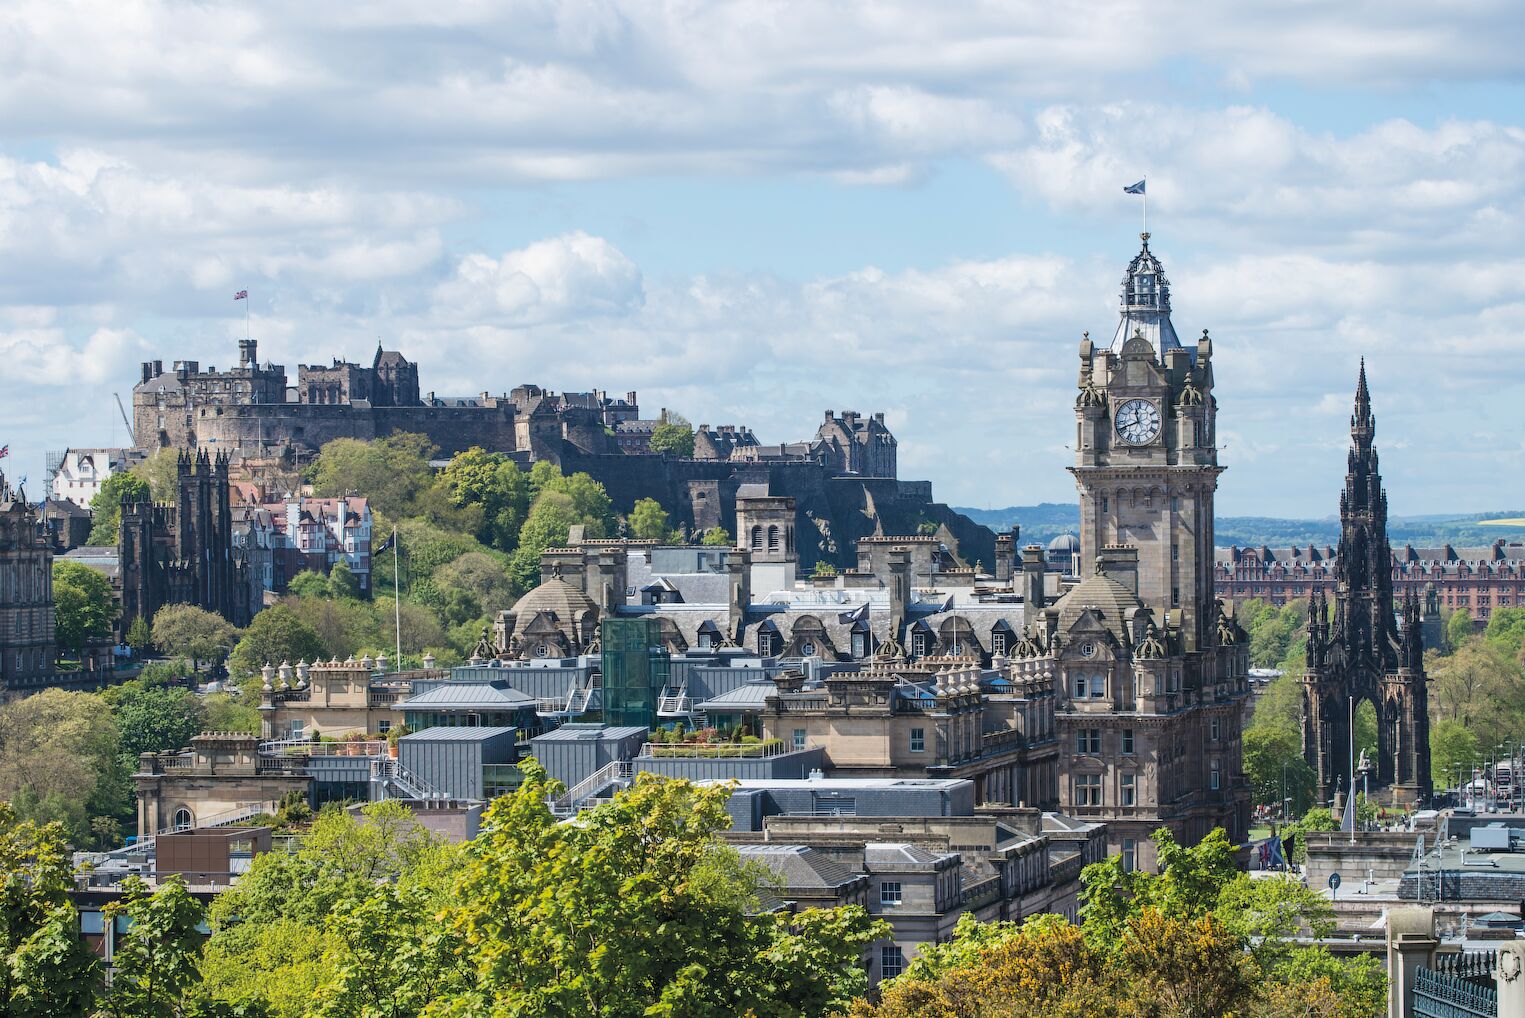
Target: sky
<point x="753" y="212"/>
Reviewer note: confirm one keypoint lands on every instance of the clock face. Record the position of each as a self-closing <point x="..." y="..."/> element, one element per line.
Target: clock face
<point x="1138" y="421"/>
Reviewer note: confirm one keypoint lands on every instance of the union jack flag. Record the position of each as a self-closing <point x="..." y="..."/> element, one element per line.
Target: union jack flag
<point x="241" y="295"/>
<point x="5" y="451"/>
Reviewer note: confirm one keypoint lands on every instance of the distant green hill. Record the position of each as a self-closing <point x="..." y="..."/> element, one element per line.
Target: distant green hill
<point x="1042" y="523"/>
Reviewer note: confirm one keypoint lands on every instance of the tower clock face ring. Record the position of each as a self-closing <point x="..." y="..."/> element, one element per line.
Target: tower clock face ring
<point x="1138" y="421"/>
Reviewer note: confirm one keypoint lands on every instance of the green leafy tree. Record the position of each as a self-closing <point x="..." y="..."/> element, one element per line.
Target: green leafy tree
<point x="273" y="944"/>
<point x="1281" y="705"/>
<point x="1506" y="629"/>
<point x="342" y="581"/>
<point x="106" y="506"/>
<point x="717" y="537"/>
<point x="615" y="899"/>
<point x="1453" y="751"/>
<point x="276" y="634"/>
<point x="157" y="966"/>
<point x="1459" y="628"/>
<point x="648" y="521"/>
<point x="420" y="627"/>
<point x="343" y="626"/>
<point x="161" y="472"/>
<point x="392" y="473"/>
<point x="154" y="718"/>
<point x="188" y="631"/>
<point x="46" y="971"/>
<point x="309" y="583"/>
<point x="1273" y="761"/>
<point x="1481" y="685"/>
<point x="673" y="438"/>
<point x="59" y="761"/>
<point x="474" y="585"/>
<point x="139" y="637"/>
<point x="495" y="484"/>
<point x="83" y="609"/>
<point x="226" y="714"/>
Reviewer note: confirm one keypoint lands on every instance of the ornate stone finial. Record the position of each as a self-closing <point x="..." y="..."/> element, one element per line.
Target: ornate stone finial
<point x="1144" y="237"/>
<point x="302" y="670"/>
<point x="366" y="662"/>
<point x="429" y="661"/>
<point x="267" y="673"/>
<point x="381" y="661"/>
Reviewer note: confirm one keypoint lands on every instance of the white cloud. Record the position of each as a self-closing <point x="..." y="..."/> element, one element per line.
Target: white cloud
<point x="569" y="277"/>
<point x="337" y="163"/>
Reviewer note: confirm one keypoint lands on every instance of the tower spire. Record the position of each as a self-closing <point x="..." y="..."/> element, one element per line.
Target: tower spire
<point x="1362" y="424"/>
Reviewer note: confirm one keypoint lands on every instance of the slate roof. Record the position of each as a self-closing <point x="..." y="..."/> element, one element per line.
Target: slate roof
<point x="750" y="696"/>
<point x="462" y="733"/>
<point x="591" y="733"/>
<point x="468" y="696"/>
<point x="899" y="853"/>
<point x="800" y="866"/>
<point x="1113" y="602"/>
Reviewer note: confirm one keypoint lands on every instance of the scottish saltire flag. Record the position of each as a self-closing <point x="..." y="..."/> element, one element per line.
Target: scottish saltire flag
<point x="1136" y="188"/>
<point x="241" y="295"/>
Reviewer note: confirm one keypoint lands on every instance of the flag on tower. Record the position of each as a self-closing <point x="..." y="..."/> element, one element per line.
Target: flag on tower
<point x="5" y="451"/>
<point x="241" y="295"/>
<point x="1136" y="188"/>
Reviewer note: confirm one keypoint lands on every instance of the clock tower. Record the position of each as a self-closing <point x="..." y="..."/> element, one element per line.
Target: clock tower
<point x="1146" y="458"/>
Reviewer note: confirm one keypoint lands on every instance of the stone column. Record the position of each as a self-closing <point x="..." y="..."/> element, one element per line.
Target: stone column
<point x="1411" y="943"/>
<point x="1509" y="977"/>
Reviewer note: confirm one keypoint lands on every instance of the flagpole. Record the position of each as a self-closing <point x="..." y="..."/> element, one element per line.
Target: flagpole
<point x="1146" y="205"/>
<point x="396" y="600"/>
<point x="1350" y="793"/>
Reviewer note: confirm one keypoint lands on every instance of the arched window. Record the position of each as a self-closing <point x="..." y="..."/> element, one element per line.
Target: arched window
<point x="757" y="537"/>
<point x="183" y="818"/>
<point x="773" y="538"/>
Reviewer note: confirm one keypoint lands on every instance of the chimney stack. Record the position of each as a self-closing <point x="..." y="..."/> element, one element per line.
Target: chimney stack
<point x="1034" y="566"/>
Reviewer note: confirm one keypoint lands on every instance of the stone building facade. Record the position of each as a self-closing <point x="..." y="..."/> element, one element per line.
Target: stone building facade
<point x="1478" y="578"/>
<point x="1362" y="652"/>
<point x="249" y="412"/>
<point x="184" y="553"/>
<point x="1150" y="673"/>
<point x="27" y="643"/>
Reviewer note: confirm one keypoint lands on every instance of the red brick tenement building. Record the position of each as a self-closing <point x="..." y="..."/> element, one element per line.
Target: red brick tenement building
<point x="1476" y="577"/>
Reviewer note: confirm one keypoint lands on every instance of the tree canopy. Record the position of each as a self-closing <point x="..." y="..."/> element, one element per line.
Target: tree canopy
<point x="276" y="634"/>
<point x="648" y="521"/>
<point x="674" y="436"/>
<point x="106" y="506"/>
<point x="188" y="631"/>
<point x="59" y="761"/>
<point x="1197" y="939"/>
<point x="83" y="607"/>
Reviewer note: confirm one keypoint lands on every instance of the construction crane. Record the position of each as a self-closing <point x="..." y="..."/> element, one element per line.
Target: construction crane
<point x="123" y="410"/>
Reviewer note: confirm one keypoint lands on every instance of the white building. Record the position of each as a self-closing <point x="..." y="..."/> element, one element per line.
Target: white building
<point x="81" y="472"/>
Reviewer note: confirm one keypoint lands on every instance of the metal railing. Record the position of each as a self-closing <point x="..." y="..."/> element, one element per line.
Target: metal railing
<point x="567" y="803"/>
<point x="713" y="750"/>
<point x="575" y="703"/>
<point x="674" y="705"/>
<point x="304" y="747"/>
<point x="224" y="819"/>
<point x="388" y="773"/>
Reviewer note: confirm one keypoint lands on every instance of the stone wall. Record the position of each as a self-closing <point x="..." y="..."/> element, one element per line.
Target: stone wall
<point x="248" y="430"/>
